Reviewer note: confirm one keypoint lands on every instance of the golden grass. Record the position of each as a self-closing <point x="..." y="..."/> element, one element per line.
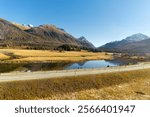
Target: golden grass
<point x="21" y="26"/>
<point x="53" y="28"/>
<point x="121" y="85"/>
<point x="3" y="56"/>
<point x="45" y="55"/>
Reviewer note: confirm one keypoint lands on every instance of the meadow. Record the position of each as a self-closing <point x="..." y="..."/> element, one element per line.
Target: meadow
<point x="3" y="56"/>
<point x="18" y="55"/>
<point x="121" y="85"/>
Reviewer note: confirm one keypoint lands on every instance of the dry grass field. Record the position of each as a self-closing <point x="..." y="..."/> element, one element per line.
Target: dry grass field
<point x="121" y="85"/>
<point x="3" y="56"/>
<point x="45" y="55"/>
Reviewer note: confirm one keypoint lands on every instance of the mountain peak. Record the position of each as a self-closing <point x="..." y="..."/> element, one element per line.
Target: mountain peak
<point x="84" y="41"/>
<point x="82" y="38"/>
<point x="136" y="37"/>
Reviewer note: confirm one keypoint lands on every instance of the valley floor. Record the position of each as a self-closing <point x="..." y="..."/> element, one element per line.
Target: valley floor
<point x="126" y="82"/>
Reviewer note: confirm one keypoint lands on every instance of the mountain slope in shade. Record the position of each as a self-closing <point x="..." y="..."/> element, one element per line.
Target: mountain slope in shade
<point x="58" y="36"/>
<point x="135" y="43"/>
<point x="138" y="47"/>
<point x="42" y="37"/>
<point x="52" y="34"/>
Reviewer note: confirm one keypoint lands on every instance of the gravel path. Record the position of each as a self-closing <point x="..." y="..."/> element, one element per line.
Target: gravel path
<point x="17" y="76"/>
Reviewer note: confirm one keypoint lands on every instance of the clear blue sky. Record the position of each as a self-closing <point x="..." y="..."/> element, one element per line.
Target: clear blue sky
<point x="100" y="21"/>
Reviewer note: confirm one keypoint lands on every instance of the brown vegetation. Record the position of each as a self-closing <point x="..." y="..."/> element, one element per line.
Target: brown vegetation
<point x="43" y="37"/>
<point x="51" y="56"/>
<point x="3" y="56"/>
<point x="122" y="85"/>
<point x="21" y="26"/>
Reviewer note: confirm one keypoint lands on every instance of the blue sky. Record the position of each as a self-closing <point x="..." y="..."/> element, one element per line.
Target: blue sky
<point x="100" y="21"/>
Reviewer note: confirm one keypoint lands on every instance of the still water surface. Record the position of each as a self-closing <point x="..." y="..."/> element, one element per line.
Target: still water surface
<point x="5" y="67"/>
<point x="91" y="64"/>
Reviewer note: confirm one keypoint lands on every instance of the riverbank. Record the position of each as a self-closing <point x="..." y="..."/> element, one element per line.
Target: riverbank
<point x="32" y="56"/>
<point x="119" y="85"/>
<point x="18" y="76"/>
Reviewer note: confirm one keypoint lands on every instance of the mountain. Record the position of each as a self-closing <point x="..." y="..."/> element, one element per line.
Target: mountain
<point x="85" y="42"/>
<point x="136" y="43"/>
<point x="22" y="26"/>
<point x="53" y="35"/>
<point x="14" y="35"/>
<point x="136" y="37"/>
<point x="138" y="47"/>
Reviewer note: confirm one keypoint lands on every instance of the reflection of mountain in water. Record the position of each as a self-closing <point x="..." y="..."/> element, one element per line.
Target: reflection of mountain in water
<point x="120" y="62"/>
<point x="8" y="67"/>
<point x="116" y="62"/>
<point x="46" y="66"/>
<point x="81" y="64"/>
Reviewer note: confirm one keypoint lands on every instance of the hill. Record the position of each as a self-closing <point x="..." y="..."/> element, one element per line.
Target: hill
<point x="14" y="35"/>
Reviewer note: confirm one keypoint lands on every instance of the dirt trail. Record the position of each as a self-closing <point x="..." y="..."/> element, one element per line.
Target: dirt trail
<point x="17" y="76"/>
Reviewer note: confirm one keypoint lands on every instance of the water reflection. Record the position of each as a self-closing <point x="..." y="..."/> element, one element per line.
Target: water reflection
<point x="5" y="67"/>
<point x="91" y="64"/>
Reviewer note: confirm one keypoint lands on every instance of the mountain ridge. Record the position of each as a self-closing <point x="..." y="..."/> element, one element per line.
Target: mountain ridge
<point x="130" y="44"/>
<point x="40" y="37"/>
